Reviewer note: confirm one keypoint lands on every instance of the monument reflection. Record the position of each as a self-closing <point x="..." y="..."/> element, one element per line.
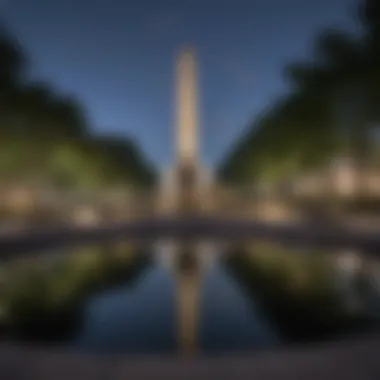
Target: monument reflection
<point x="187" y="261"/>
<point x="188" y="280"/>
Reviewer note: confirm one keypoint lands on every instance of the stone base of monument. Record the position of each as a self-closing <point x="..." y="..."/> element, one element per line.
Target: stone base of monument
<point x="85" y="217"/>
<point x="185" y="189"/>
<point x="274" y="211"/>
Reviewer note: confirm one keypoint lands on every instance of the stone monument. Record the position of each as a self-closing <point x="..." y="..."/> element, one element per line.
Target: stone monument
<point x="183" y="187"/>
<point x="187" y="173"/>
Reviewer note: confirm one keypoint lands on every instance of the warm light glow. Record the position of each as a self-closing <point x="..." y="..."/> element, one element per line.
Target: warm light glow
<point x="186" y="105"/>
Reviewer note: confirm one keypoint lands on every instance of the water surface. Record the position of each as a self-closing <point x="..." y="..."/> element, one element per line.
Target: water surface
<point x="188" y="299"/>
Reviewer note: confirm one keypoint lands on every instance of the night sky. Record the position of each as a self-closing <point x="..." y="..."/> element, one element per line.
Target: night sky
<point x="118" y="57"/>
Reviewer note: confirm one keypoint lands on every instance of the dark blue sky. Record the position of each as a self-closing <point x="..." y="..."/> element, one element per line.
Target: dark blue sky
<point x="118" y="57"/>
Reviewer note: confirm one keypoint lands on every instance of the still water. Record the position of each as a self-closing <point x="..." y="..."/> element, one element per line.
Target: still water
<point x="189" y="299"/>
<point x="169" y="309"/>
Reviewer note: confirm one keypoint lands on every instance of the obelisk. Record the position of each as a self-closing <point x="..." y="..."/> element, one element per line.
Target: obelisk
<point x="186" y="129"/>
<point x="187" y="107"/>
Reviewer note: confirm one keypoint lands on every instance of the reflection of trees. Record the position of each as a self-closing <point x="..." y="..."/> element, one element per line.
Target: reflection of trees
<point x="297" y="292"/>
<point x="134" y="261"/>
<point x="45" y="302"/>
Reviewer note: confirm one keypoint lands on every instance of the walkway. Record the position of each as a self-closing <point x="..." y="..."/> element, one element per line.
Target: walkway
<point x="347" y="361"/>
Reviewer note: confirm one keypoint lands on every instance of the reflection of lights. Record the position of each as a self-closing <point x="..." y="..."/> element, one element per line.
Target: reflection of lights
<point x="348" y="262"/>
<point x="188" y="311"/>
<point x="166" y="252"/>
<point x="207" y="252"/>
<point x="374" y="275"/>
<point x="349" y="265"/>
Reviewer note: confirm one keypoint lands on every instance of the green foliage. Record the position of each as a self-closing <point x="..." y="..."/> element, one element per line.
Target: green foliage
<point x="46" y="135"/>
<point x="329" y="109"/>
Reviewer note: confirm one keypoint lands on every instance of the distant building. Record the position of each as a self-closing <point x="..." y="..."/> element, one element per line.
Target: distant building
<point x="340" y="177"/>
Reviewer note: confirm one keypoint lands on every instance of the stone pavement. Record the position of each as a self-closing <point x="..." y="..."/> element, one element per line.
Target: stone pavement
<point x="351" y="360"/>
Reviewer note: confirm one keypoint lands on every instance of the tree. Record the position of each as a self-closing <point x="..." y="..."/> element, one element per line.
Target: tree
<point x="12" y="62"/>
<point x="46" y="136"/>
<point x="124" y="160"/>
<point x="307" y="127"/>
<point x="12" y="72"/>
<point x="43" y="114"/>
